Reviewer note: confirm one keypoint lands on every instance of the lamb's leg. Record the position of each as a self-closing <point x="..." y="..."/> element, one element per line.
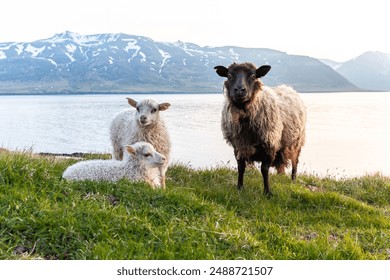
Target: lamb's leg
<point x="117" y="152"/>
<point x="163" y="182"/>
<point x="241" y="164"/>
<point x="151" y="183"/>
<point x="265" y="165"/>
<point x="162" y="171"/>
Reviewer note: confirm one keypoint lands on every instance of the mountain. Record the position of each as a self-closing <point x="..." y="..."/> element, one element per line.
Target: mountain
<point x="333" y="64"/>
<point x="71" y="63"/>
<point x="369" y="71"/>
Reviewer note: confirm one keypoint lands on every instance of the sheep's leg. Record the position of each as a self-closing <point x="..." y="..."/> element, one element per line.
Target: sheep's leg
<point x="294" y="170"/>
<point x="279" y="162"/>
<point x="241" y="164"/>
<point x="294" y="163"/>
<point x="265" y="165"/>
<point x="280" y="169"/>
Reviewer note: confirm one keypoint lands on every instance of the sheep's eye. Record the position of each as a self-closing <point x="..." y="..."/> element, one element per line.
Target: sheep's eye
<point x="148" y="155"/>
<point x="230" y="76"/>
<point x="253" y="77"/>
<point x="154" y="110"/>
<point x="137" y="109"/>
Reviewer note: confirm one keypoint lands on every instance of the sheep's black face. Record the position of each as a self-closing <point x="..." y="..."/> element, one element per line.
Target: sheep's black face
<point x="240" y="85"/>
<point x="242" y="80"/>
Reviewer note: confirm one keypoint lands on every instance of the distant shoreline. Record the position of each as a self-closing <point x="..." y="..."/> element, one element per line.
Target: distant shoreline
<point x="104" y="93"/>
<point x="158" y="92"/>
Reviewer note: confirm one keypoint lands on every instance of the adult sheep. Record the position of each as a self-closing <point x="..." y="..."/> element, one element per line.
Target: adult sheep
<point x="140" y="163"/>
<point x="261" y="123"/>
<point x="143" y="123"/>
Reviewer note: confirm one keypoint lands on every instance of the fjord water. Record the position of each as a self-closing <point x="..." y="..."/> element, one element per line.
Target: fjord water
<point x="348" y="134"/>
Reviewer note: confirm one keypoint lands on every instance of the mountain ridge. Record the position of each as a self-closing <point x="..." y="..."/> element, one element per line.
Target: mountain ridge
<point x="369" y="71"/>
<point x="116" y="62"/>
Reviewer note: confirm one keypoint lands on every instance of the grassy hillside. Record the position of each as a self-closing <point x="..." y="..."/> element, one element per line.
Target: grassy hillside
<point x="200" y="216"/>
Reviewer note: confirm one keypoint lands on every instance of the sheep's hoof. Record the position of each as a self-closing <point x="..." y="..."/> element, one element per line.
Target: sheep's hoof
<point x="268" y="193"/>
<point x="240" y="187"/>
<point x="293" y="178"/>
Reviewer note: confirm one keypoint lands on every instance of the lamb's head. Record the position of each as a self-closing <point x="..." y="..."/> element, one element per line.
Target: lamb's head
<point x="242" y="80"/>
<point x="148" y="110"/>
<point x="145" y="153"/>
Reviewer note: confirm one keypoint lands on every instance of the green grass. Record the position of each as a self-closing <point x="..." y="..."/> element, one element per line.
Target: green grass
<point x="201" y="215"/>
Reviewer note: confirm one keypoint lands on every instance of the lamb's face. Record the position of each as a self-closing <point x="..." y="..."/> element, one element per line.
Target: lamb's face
<point x="151" y="157"/>
<point x="242" y="80"/>
<point x="146" y="153"/>
<point x="148" y="111"/>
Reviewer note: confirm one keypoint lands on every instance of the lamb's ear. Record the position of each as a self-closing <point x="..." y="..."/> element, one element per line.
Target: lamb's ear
<point x="221" y="71"/>
<point x="163" y="106"/>
<point x="262" y="71"/>
<point x="132" y="102"/>
<point x="130" y="150"/>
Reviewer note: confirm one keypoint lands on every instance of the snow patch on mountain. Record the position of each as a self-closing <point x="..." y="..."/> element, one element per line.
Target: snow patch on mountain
<point x="52" y="62"/>
<point x="165" y="57"/>
<point x="132" y="45"/>
<point x="143" y="59"/>
<point x="33" y="50"/>
<point x="19" y="48"/>
<point x="71" y="48"/>
<point x="71" y="58"/>
<point x="235" y="56"/>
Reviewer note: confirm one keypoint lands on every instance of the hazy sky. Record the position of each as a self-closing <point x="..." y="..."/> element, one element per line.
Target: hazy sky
<point x="334" y="29"/>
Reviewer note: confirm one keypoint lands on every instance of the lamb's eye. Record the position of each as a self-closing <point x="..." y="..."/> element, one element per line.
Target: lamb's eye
<point x="137" y="109"/>
<point x="154" y="110"/>
<point x="148" y="155"/>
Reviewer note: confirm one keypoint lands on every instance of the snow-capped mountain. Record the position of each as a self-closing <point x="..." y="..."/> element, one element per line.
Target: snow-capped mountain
<point x="70" y="62"/>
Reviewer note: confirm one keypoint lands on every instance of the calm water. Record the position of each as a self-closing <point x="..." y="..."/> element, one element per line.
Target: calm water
<point x="347" y="133"/>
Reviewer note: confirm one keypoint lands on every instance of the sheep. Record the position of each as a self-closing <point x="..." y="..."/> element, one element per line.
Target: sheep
<point x="142" y="124"/>
<point x="261" y="123"/>
<point x="140" y="163"/>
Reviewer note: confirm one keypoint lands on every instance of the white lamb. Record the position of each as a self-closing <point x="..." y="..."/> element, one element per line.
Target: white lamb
<point x="142" y="124"/>
<point x="140" y="163"/>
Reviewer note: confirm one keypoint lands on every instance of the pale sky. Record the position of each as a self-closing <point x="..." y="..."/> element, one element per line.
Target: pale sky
<point x="333" y="29"/>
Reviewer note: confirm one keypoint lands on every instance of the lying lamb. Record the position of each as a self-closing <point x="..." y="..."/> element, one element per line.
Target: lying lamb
<point x="140" y="163"/>
<point x="142" y="124"/>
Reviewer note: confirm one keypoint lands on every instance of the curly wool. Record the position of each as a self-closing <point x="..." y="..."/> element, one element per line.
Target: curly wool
<point x="276" y="116"/>
<point x="131" y="168"/>
<point x="125" y="129"/>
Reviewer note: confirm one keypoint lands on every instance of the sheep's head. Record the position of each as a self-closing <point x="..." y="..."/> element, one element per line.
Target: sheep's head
<point x="146" y="154"/>
<point x="242" y="80"/>
<point x="148" y="110"/>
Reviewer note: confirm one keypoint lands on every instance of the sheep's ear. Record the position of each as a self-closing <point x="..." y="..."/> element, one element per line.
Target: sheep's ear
<point x="130" y="150"/>
<point x="221" y="71"/>
<point x="163" y="106"/>
<point x="262" y="71"/>
<point x="132" y="102"/>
